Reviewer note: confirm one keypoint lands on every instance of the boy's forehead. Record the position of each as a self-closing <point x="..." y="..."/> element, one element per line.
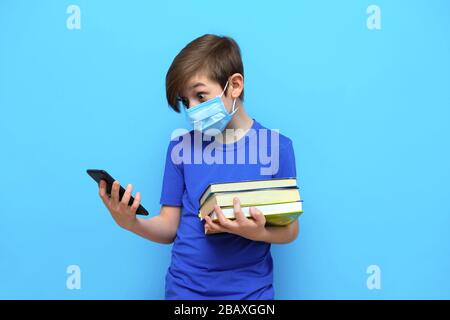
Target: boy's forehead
<point x="195" y="81"/>
<point x="198" y="80"/>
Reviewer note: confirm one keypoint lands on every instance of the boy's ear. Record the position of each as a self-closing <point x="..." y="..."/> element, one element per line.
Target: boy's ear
<point x="237" y="85"/>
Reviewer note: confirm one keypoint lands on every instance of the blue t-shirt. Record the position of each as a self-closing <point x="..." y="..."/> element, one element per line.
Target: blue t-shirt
<point x="220" y="266"/>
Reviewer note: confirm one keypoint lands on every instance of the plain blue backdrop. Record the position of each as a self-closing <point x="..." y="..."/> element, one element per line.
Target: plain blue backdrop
<point x="368" y="111"/>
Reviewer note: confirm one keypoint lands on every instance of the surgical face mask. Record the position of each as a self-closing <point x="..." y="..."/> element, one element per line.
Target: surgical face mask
<point x="210" y="114"/>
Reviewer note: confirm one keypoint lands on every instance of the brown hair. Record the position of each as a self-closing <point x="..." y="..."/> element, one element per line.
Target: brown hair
<point x="218" y="56"/>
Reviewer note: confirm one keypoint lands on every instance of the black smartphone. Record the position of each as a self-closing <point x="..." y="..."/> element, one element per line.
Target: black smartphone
<point x="99" y="175"/>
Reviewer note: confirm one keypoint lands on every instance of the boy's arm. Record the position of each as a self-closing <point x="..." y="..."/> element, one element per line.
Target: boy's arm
<point x="161" y="228"/>
<point x="281" y="234"/>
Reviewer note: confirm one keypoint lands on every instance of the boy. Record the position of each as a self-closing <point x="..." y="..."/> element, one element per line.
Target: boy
<point x="206" y="82"/>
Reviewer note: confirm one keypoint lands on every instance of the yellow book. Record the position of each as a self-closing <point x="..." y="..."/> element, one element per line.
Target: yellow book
<point x="249" y="198"/>
<point x="246" y="186"/>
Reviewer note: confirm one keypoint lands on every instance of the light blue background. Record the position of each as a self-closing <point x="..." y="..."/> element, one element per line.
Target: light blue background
<point x="368" y="111"/>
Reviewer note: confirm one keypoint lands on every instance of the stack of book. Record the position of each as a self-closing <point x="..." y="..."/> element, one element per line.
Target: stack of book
<point x="278" y="199"/>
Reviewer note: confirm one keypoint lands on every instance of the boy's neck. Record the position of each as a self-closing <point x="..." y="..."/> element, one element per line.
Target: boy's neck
<point x="240" y="123"/>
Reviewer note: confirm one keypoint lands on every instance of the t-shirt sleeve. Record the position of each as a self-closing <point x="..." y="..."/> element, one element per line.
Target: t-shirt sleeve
<point x="286" y="168"/>
<point x="173" y="179"/>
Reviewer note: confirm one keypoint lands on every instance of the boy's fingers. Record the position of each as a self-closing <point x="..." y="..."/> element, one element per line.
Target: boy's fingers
<point x="136" y="202"/>
<point x="115" y="191"/>
<point x="102" y="192"/>
<point x="212" y="225"/>
<point x="207" y="221"/>
<point x="102" y="188"/>
<point x="258" y="216"/>
<point x="239" y="215"/>
<point x="215" y="227"/>
<point x="127" y="195"/>
<point x="222" y="220"/>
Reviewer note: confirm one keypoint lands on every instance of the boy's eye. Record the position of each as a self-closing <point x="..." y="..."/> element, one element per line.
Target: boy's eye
<point x="201" y="96"/>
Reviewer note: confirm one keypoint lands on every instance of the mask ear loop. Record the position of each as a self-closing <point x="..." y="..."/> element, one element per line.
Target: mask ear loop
<point x="224" y="89"/>
<point x="234" y="102"/>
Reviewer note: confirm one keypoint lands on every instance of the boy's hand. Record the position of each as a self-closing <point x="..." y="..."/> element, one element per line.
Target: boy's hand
<point x="123" y="214"/>
<point x="242" y="226"/>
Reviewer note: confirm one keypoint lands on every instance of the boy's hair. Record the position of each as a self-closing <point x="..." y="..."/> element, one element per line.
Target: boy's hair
<point x="218" y="57"/>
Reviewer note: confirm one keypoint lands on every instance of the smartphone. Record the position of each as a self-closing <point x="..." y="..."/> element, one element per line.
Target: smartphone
<point x="99" y="175"/>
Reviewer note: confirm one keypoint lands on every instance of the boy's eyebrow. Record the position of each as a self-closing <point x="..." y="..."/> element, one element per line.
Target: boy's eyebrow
<point x="198" y="84"/>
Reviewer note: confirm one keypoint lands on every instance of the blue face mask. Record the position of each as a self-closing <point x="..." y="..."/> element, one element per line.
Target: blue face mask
<point x="210" y="114"/>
